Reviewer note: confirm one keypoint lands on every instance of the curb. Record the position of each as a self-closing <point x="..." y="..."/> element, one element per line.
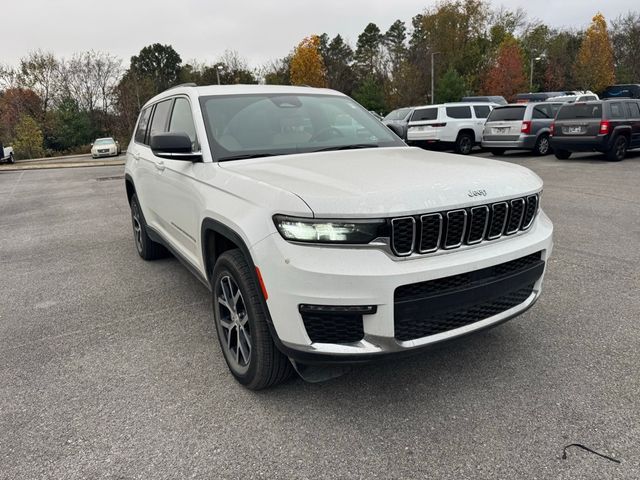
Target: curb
<point x="44" y="166"/>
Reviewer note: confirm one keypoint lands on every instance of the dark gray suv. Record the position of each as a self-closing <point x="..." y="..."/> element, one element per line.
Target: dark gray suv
<point x="608" y="126"/>
<point x="520" y="127"/>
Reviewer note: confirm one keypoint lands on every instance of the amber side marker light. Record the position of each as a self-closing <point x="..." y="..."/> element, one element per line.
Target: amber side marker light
<point x="262" y="286"/>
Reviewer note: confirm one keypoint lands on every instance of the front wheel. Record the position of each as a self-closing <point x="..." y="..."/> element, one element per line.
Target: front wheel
<point x="542" y="146"/>
<point x="618" y="150"/>
<point x="562" y="154"/>
<point x="241" y="324"/>
<point x="464" y="144"/>
<point x="11" y="159"/>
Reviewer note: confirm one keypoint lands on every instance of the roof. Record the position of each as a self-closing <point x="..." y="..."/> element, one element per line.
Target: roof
<point x="241" y="90"/>
<point x="455" y="104"/>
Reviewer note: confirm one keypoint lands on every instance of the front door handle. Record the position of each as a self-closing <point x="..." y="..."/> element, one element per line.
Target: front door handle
<point x="160" y="165"/>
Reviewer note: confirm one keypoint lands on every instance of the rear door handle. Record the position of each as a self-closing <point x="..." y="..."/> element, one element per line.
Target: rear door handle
<point x="159" y="165"/>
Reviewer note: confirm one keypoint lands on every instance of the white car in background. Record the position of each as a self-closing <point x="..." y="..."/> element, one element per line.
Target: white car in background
<point x="325" y="245"/>
<point x="105" y="147"/>
<point x="6" y="154"/>
<point x="459" y="124"/>
<point x="577" y="97"/>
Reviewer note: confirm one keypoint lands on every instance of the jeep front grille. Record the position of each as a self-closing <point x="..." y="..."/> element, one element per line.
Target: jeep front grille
<point x="463" y="226"/>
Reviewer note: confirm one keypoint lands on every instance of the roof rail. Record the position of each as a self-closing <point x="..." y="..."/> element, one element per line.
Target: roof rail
<point x="190" y="84"/>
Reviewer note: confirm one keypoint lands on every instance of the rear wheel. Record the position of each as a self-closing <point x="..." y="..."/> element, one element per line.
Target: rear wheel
<point x="498" y="152"/>
<point x="542" y="146"/>
<point x="562" y="154"/>
<point x="618" y="150"/>
<point x="241" y="323"/>
<point x="147" y="248"/>
<point x="464" y="144"/>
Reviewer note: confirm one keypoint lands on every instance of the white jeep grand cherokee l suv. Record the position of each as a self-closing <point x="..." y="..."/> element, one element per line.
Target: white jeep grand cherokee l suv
<point x="323" y="245"/>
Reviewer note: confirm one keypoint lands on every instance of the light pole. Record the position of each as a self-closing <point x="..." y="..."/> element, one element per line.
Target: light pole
<point x="536" y="59"/>
<point x="218" y="70"/>
<point x="433" y="54"/>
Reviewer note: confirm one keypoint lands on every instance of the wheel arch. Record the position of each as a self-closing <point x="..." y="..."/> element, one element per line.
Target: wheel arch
<point x="467" y="130"/>
<point x="130" y="187"/>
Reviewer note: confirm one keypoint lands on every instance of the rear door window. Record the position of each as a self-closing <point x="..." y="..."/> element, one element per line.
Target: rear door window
<point x="481" y="111"/>
<point x="143" y="123"/>
<point x="542" y="112"/>
<point x="507" y="114"/>
<point x="634" y="110"/>
<point x="459" y="112"/>
<point x="422" y="114"/>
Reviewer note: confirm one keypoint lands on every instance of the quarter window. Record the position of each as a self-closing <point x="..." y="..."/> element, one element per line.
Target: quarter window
<point x="459" y="112"/>
<point x="634" y="110"/>
<point x="481" y="111"/>
<point x="143" y="123"/>
<point x="425" y="114"/>
<point x="182" y="119"/>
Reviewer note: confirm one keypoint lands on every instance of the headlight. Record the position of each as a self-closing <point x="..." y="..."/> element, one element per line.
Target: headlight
<point x="329" y="231"/>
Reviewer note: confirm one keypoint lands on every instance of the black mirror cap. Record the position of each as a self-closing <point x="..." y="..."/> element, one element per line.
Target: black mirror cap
<point x="173" y="146"/>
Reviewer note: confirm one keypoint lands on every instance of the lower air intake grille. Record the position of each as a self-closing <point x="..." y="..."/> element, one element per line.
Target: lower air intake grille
<point x="333" y="327"/>
<point x="435" y="306"/>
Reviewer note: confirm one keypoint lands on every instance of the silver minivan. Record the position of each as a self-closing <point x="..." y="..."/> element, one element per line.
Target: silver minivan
<point x="520" y="127"/>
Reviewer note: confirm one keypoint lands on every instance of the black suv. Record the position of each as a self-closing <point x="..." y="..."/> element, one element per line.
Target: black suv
<point x="608" y="126"/>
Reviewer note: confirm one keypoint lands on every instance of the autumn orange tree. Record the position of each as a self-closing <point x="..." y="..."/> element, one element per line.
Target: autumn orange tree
<point x="307" y="66"/>
<point x="506" y="77"/>
<point x="594" y="68"/>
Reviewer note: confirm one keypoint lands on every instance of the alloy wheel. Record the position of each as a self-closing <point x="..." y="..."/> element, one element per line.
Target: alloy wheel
<point x="137" y="228"/>
<point x="234" y="320"/>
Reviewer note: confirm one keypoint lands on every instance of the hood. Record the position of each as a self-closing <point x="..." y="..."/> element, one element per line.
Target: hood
<point x="389" y="181"/>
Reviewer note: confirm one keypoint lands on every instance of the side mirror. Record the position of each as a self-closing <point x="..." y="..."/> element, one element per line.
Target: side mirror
<point x="92" y="144"/>
<point x="174" y="146"/>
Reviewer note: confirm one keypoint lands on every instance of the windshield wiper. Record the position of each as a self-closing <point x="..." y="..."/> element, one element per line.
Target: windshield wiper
<point x="245" y="156"/>
<point x="348" y="147"/>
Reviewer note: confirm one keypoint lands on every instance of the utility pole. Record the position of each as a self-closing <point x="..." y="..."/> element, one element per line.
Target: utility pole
<point x="433" y="54"/>
<point x="218" y="68"/>
<point x="536" y="59"/>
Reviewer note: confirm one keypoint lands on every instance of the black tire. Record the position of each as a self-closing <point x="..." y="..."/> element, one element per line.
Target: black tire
<point x="146" y="248"/>
<point x="11" y="159"/>
<point x="542" y="146"/>
<point x="618" y="149"/>
<point x="562" y="154"/>
<point x="464" y="144"/>
<point x="265" y="366"/>
<point x="498" y="152"/>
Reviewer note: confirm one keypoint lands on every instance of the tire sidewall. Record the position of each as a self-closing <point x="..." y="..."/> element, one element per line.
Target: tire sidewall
<point x="539" y="143"/>
<point x="619" y="142"/>
<point x="135" y="208"/>
<point x="464" y="139"/>
<point x="225" y="266"/>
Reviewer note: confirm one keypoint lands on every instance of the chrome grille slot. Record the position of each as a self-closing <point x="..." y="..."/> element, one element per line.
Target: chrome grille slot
<point x="478" y="224"/>
<point x="516" y="211"/>
<point x="403" y="232"/>
<point x="498" y="221"/>
<point x="430" y="231"/>
<point x="530" y="211"/>
<point x="456" y="224"/>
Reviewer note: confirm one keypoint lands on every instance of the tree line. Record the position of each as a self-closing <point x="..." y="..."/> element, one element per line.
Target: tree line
<point x="50" y="105"/>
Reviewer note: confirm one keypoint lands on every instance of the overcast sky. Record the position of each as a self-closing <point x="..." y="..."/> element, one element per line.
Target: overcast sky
<point x="203" y="29"/>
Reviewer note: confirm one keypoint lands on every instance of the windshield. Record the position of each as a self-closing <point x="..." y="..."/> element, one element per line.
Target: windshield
<point x="506" y="114"/>
<point x="580" y="110"/>
<point x="103" y="141"/>
<point x="399" y="114"/>
<point x="246" y="126"/>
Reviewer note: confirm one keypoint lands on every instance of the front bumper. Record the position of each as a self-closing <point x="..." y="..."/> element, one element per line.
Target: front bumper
<point x="297" y="275"/>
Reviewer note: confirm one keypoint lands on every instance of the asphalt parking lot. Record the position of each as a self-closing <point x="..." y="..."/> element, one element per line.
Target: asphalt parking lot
<point x="109" y="366"/>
